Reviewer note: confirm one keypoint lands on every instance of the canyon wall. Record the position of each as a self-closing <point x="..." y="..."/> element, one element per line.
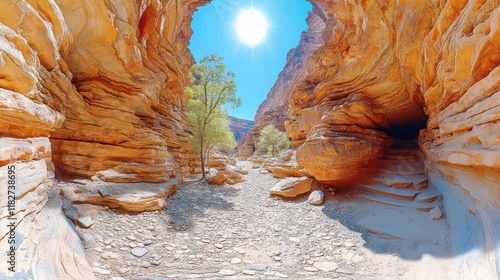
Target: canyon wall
<point x="87" y="89"/>
<point x="400" y="69"/>
<point x="274" y="109"/>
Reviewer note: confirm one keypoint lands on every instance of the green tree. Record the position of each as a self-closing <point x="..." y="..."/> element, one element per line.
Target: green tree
<point x="211" y="87"/>
<point x="274" y="140"/>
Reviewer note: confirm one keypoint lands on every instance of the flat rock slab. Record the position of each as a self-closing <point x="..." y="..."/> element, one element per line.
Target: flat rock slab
<point x="136" y="197"/>
<point x="109" y="255"/>
<point x="406" y="224"/>
<point x="85" y="222"/>
<point x="292" y="187"/>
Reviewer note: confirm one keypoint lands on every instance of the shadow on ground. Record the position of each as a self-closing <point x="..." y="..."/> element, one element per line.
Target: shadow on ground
<point x="348" y="208"/>
<point x="193" y="199"/>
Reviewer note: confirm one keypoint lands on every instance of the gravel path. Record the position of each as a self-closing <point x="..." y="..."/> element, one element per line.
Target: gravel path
<point x="237" y="232"/>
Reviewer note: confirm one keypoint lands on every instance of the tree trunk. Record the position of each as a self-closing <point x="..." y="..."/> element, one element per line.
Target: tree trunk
<point x="202" y="159"/>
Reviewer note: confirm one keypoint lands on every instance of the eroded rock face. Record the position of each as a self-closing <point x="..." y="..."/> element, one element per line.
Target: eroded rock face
<point x="292" y="187"/>
<point x="240" y="127"/>
<point x="382" y="68"/>
<point x="87" y="88"/>
<point x="274" y="109"/>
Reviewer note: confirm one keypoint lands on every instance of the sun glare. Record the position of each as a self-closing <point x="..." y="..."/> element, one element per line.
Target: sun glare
<point x="251" y="27"/>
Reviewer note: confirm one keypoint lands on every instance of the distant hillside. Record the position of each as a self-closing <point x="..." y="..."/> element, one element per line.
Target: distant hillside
<point x="240" y="127"/>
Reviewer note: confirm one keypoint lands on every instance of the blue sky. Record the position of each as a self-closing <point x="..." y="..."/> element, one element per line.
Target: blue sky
<point x="256" y="67"/>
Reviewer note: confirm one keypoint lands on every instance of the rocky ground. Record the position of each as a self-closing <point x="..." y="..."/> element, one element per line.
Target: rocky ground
<point x="240" y="232"/>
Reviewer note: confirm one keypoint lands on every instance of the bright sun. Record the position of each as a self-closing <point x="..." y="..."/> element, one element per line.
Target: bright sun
<point x="251" y="27"/>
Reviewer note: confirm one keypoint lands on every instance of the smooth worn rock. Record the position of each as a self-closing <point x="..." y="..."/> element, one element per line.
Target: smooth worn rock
<point x="257" y="267"/>
<point x="72" y="213"/>
<point x="225" y="176"/>
<point x="326" y="266"/>
<point x="227" y="272"/>
<point x="249" y="272"/>
<point x="139" y="252"/>
<point x="292" y="187"/>
<point x="110" y="255"/>
<point x="123" y="270"/>
<point x="316" y="198"/>
<point x="85" y="222"/>
<point x="436" y="213"/>
<point x="101" y="271"/>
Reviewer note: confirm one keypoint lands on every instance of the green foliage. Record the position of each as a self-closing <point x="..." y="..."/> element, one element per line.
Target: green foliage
<point x="274" y="140"/>
<point x="211" y="87"/>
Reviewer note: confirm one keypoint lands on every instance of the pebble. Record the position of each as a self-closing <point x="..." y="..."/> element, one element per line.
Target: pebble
<point x="139" y="252"/>
<point x="123" y="270"/>
<point x="147" y="242"/>
<point x="108" y="241"/>
<point x="344" y="270"/>
<point x="316" y="198"/>
<point x="326" y="266"/>
<point x="85" y="222"/>
<point x="227" y="272"/>
<point x="436" y="213"/>
<point x="157" y="262"/>
<point x="280" y="275"/>
<point x="248" y="272"/>
<point x="131" y="238"/>
<point x="349" y="244"/>
<point x="277" y="228"/>
<point x="128" y="257"/>
<point x="109" y="256"/>
<point x="294" y="239"/>
<point x="311" y="269"/>
<point x="101" y="271"/>
<point x="235" y="260"/>
<point x="145" y="264"/>
<point x="151" y="228"/>
<point x="219" y="246"/>
<point x="258" y="267"/>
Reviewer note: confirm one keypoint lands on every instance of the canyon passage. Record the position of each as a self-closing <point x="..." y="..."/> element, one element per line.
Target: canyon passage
<point x="392" y="109"/>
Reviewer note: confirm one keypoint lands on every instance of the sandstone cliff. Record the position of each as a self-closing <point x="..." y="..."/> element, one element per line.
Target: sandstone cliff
<point x="274" y="109"/>
<point x="240" y="127"/>
<point x="87" y="89"/>
<point x="392" y="68"/>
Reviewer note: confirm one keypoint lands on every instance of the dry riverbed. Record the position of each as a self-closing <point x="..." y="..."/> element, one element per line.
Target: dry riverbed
<point x="239" y="232"/>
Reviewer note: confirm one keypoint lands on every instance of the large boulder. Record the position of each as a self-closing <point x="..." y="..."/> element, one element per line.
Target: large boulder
<point x="292" y="187"/>
<point x="225" y="176"/>
<point x="286" y="166"/>
<point x="136" y="197"/>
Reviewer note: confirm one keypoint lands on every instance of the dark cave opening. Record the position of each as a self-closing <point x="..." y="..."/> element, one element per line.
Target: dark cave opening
<point x="407" y="131"/>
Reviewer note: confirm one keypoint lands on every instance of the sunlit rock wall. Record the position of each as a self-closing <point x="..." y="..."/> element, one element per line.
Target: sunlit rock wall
<point x="274" y="109"/>
<point x="391" y="68"/>
<point x="87" y="89"/>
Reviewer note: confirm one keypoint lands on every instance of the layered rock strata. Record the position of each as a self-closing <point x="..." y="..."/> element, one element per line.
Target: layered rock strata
<point x="274" y="109"/>
<point x="380" y="70"/>
<point x="87" y="89"/>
